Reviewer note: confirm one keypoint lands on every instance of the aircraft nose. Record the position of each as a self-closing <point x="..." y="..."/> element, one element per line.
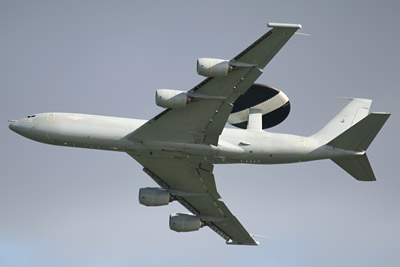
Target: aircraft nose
<point x="13" y="125"/>
<point x="22" y="127"/>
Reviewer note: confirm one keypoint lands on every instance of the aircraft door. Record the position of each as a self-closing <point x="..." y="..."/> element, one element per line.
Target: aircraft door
<point x="51" y="117"/>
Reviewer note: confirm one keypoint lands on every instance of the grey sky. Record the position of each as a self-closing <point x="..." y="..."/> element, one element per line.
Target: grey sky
<point x="74" y="207"/>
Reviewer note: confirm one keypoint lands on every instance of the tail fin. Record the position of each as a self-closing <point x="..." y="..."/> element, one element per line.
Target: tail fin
<point x="355" y="111"/>
<point x="354" y="130"/>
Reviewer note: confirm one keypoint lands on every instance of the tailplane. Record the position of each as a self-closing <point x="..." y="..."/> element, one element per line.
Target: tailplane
<point x="353" y="130"/>
<point x="360" y="136"/>
<point x="357" y="166"/>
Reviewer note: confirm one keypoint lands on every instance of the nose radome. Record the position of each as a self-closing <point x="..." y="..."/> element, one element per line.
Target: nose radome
<point x="22" y="128"/>
<point x="13" y="125"/>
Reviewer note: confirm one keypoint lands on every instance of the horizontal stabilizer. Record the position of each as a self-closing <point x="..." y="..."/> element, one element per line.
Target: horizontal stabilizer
<point x="359" y="136"/>
<point x="357" y="166"/>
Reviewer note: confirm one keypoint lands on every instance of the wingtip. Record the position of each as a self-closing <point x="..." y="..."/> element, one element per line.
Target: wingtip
<point x="284" y="25"/>
<point x="231" y="242"/>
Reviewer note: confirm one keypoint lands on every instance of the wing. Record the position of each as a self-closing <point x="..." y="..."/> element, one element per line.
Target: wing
<point x="202" y="121"/>
<point x="192" y="184"/>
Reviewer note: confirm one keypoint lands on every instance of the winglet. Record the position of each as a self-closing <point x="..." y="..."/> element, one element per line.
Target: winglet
<point x="284" y="25"/>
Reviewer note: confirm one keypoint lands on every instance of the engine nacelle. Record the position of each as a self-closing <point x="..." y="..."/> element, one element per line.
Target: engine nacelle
<point x="180" y="222"/>
<point x="154" y="196"/>
<point x="213" y="67"/>
<point x="167" y="98"/>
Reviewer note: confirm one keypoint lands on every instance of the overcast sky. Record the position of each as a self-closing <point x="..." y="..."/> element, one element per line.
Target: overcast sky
<point x="74" y="207"/>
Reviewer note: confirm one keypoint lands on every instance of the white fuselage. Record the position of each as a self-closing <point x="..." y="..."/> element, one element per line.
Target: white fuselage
<point x="112" y="133"/>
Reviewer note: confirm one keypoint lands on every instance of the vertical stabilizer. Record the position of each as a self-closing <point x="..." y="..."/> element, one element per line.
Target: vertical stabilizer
<point x="355" y="111"/>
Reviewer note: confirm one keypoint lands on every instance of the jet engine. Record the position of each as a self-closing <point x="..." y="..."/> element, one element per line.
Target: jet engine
<point x="180" y="222"/>
<point x="167" y="98"/>
<point x="273" y="104"/>
<point x="213" y="67"/>
<point x="154" y="196"/>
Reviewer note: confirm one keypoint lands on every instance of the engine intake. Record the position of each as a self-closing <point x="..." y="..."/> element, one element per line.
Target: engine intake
<point x="167" y="98"/>
<point x="180" y="222"/>
<point x="213" y="67"/>
<point x="154" y="197"/>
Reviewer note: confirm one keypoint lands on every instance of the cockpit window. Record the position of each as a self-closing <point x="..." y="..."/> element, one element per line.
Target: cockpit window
<point x="31" y="116"/>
